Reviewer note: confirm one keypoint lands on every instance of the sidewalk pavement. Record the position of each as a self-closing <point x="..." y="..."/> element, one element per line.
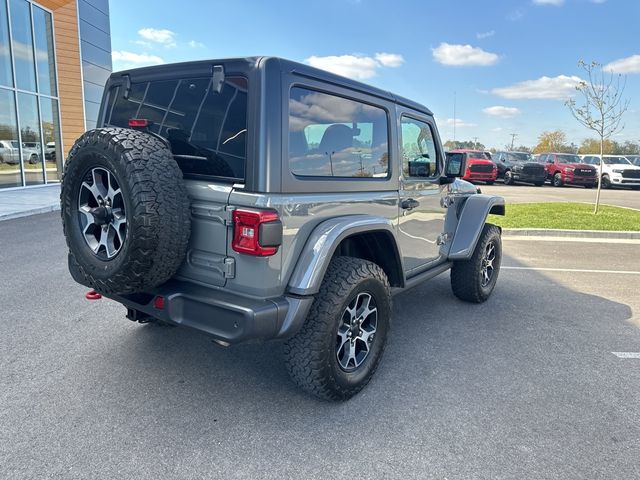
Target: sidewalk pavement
<point x="29" y="201"/>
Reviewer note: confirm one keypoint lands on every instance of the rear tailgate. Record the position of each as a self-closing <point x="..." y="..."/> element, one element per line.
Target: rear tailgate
<point x="207" y="260"/>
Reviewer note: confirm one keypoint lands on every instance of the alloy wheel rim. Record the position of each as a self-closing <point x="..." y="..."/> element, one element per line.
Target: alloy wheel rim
<point x="356" y="332"/>
<point x="487" y="270"/>
<point x="101" y="213"/>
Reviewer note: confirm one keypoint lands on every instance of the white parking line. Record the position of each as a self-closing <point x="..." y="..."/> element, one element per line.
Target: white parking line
<point x="577" y="270"/>
<point x="627" y="355"/>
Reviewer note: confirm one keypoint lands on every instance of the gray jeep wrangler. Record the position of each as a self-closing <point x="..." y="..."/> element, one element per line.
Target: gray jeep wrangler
<point x="258" y="198"/>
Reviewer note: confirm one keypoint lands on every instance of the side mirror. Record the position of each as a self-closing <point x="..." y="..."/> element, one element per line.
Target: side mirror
<point x="454" y="165"/>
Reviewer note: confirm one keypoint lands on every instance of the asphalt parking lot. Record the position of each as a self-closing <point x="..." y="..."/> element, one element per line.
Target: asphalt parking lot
<point x="523" y="386"/>
<point x="621" y="197"/>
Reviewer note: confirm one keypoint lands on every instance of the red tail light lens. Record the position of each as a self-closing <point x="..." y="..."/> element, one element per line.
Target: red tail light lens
<point x="139" y="122"/>
<point x="248" y="228"/>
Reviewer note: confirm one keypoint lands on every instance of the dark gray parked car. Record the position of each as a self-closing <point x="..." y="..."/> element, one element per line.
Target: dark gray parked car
<point x="257" y="198"/>
<point x="519" y="167"/>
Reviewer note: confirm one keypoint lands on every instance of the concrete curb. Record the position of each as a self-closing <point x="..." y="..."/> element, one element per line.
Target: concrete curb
<point x="33" y="211"/>
<point x="559" y="233"/>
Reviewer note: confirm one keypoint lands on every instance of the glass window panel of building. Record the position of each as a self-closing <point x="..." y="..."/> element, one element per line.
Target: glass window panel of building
<point x="20" y="12"/>
<point x="6" y="71"/>
<point x="31" y="150"/>
<point x="51" y="140"/>
<point x="9" y="152"/>
<point x="31" y="141"/>
<point x="43" y="32"/>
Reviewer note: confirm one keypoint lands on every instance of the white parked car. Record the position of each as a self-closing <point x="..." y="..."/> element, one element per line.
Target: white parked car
<point x="617" y="170"/>
<point x="9" y="153"/>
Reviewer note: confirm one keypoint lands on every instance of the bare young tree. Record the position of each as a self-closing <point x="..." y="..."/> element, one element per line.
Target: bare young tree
<point x="603" y="107"/>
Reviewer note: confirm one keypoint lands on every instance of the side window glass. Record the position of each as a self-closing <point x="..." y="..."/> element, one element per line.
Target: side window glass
<point x="331" y="136"/>
<point x="418" y="149"/>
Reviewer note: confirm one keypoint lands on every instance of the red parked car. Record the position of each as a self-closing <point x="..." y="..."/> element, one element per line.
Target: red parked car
<point x="568" y="169"/>
<point x="479" y="166"/>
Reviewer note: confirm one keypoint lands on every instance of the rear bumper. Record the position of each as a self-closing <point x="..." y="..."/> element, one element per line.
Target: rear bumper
<point x="226" y="316"/>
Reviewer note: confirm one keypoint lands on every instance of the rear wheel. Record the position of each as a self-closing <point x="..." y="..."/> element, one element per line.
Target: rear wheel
<point x="338" y="349"/>
<point x="539" y="184"/>
<point x="473" y="280"/>
<point x="557" y="180"/>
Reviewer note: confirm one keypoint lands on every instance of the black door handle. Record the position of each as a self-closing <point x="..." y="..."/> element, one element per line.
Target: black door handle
<point x="409" y="204"/>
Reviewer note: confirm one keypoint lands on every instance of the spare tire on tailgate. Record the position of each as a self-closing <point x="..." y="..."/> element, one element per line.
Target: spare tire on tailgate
<point x="125" y="210"/>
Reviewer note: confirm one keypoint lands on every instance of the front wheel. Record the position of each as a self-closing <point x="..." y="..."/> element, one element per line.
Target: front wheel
<point x="508" y="178"/>
<point x="557" y="180"/>
<point x="33" y="159"/>
<point x="473" y="280"/>
<point x="606" y="181"/>
<point x="339" y="347"/>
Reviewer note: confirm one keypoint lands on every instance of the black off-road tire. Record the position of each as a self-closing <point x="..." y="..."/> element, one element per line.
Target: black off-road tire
<point x="556" y="181"/>
<point x="508" y="178"/>
<point x="311" y="355"/>
<point x="466" y="275"/>
<point x="155" y="202"/>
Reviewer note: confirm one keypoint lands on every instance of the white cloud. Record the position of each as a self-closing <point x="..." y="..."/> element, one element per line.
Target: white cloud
<point x="123" y="59"/>
<point x="391" y="60"/>
<point x="559" y="88"/>
<point x="356" y="66"/>
<point x="463" y="55"/>
<point x="194" y="44"/>
<point x="515" y="15"/>
<point x="459" y="123"/>
<point x="163" y="36"/>
<point x="500" y="111"/>
<point x="555" y="3"/>
<point x="488" y="34"/>
<point x="624" y="65"/>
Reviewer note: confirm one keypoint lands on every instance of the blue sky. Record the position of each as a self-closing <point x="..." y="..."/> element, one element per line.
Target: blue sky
<point x="511" y="64"/>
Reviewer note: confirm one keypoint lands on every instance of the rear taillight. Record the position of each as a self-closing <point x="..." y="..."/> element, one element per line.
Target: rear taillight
<point x="256" y="232"/>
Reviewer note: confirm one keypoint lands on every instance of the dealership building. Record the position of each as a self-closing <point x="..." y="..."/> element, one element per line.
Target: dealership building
<point x="55" y="56"/>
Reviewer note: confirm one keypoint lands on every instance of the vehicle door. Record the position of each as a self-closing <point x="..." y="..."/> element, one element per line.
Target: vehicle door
<point x="421" y="213"/>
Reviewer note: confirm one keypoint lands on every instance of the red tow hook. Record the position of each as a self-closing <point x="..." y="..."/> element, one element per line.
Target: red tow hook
<point x="92" y="295"/>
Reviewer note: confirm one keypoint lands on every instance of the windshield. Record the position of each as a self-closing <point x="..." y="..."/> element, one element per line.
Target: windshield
<point x="569" y="158"/>
<point x="519" y="157"/>
<point x="480" y="155"/>
<point x="616" y="160"/>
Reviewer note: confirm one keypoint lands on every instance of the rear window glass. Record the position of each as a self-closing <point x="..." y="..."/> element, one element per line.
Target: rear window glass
<point x="207" y="130"/>
<point x="331" y="136"/>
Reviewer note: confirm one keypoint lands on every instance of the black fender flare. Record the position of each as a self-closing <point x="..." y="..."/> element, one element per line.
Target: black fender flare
<point x="471" y="221"/>
<point x="322" y="243"/>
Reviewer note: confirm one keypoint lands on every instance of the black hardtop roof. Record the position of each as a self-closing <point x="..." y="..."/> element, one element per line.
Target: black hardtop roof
<point x="284" y="65"/>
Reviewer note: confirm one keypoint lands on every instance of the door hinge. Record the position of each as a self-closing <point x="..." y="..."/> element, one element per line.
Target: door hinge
<point x="228" y="215"/>
<point x="229" y="270"/>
